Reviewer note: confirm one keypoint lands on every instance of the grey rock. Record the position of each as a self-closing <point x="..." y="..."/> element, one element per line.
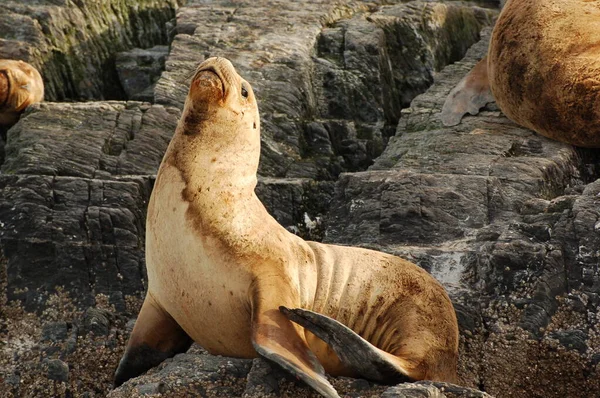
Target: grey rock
<point x="152" y="388"/>
<point x="572" y="339"/>
<point x="328" y="95"/>
<point x="263" y="379"/>
<point x="90" y="140"/>
<point x="454" y="391"/>
<point x="139" y="69"/>
<point x="13" y="379"/>
<point x="192" y="375"/>
<point x="57" y="370"/>
<point x="412" y="391"/>
<point x="54" y="332"/>
<point x="73" y="43"/>
<point x="86" y="232"/>
<point x="97" y="321"/>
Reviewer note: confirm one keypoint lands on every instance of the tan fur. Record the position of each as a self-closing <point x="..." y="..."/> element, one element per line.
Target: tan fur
<point x="544" y="67"/>
<point x="221" y="266"/>
<point x="20" y="86"/>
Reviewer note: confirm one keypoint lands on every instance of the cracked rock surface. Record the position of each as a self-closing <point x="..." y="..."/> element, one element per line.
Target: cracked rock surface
<point x="353" y="153"/>
<point x="507" y="220"/>
<point x="73" y="42"/>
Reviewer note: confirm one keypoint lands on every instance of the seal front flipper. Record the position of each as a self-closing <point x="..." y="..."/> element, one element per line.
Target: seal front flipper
<point x="276" y="338"/>
<point x="470" y="95"/>
<point x="155" y="337"/>
<point x="354" y="351"/>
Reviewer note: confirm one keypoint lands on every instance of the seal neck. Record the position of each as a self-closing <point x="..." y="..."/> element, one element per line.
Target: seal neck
<point x="215" y="154"/>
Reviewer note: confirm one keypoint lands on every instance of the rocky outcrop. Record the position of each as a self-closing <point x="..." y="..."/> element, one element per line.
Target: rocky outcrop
<point x="507" y="220"/>
<point x="73" y="42"/>
<point x="74" y="188"/>
<point x="76" y="177"/>
<point x="330" y="84"/>
<point x="194" y="375"/>
<point x="73" y="194"/>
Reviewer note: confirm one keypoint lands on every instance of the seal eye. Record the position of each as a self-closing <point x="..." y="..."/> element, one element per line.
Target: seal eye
<point x="244" y="92"/>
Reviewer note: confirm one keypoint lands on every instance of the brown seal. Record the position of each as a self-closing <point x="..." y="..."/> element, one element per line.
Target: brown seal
<point x="543" y="69"/>
<point x="222" y="272"/>
<point x="20" y="86"/>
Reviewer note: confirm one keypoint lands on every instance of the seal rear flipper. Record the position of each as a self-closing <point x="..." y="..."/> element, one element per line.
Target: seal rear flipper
<point x="470" y="95"/>
<point x="354" y="351"/>
<point x="276" y="338"/>
<point x="155" y="337"/>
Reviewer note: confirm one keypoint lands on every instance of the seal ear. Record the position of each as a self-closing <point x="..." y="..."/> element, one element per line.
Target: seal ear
<point x="276" y="338"/>
<point x="155" y="337"/>
<point x="471" y="94"/>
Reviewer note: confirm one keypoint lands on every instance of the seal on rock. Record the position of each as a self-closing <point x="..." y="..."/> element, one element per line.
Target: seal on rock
<point x="543" y="69"/>
<point x="20" y="86"/>
<point x="222" y="272"/>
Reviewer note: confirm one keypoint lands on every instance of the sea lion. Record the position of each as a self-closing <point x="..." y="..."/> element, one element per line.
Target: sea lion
<point x="543" y="69"/>
<point x="222" y="272"/>
<point x="20" y="86"/>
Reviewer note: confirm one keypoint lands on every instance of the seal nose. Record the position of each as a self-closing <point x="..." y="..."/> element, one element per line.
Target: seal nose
<point x="208" y="83"/>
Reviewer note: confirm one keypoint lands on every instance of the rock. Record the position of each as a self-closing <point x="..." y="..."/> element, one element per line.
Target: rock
<point x="90" y="140"/>
<point x="86" y="232"/>
<point x="72" y="43"/>
<point x="454" y="391"/>
<point x="191" y="375"/>
<point x="412" y="391"/>
<point x="263" y="379"/>
<point x="505" y="219"/>
<point x="97" y="321"/>
<point x="57" y="370"/>
<point x="77" y="204"/>
<point x="492" y="210"/>
<point x="13" y="380"/>
<point x="152" y="388"/>
<point x="572" y="339"/>
<point x="139" y="69"/>
<point x="297" y="204"/>
<point x="328" y="93"/>
<point x="54" y="332"/>
<point x="176" y="377"/>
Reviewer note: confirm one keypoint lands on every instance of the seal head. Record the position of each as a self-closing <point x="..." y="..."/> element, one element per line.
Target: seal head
<point x="20" y="86"/>
<point x="217" y="91"/>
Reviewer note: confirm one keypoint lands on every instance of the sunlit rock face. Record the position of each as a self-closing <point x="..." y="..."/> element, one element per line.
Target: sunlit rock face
<point x="353" y="152"/>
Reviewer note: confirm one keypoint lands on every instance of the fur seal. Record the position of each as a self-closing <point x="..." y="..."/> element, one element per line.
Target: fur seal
<point x="222" y="272"/>
<point x="20" y="86"/>
<point x="543" y="69"/>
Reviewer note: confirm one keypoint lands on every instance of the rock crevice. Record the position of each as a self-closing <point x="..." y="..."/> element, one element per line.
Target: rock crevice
<point x="74" y="42"/>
